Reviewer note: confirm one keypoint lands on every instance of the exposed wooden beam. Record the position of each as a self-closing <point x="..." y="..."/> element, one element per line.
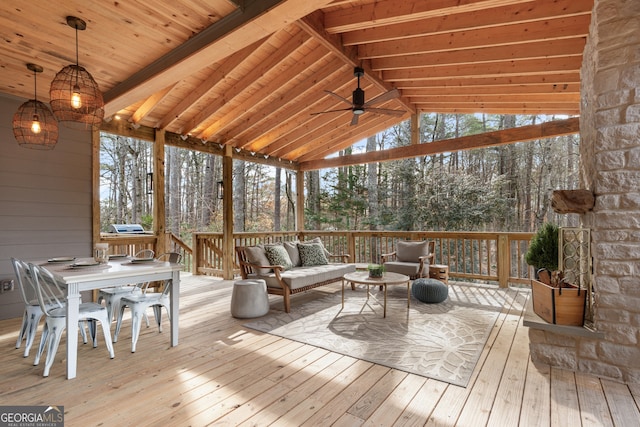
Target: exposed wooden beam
<point x="290" y="117"/>
<point x="522" y="108"/>
<point x="343" y="138"/>
<point x="490" y="17"/>
<point x="549" y="88"/>
<point x="314" y="25"/>
<point x="255" y="20"/>
<point x="151" y="102"/>
<point x="247" y="80"/>
<point x="493" y="69"/>
<point x="224" y="68"/>
<point x="388" y="12"/>
<point x="570" y="27"/>
<point x="280" y="110"/>
<point x="489" y="139"/>
<point x="263" y="95"/>
<point x="464" y="82"/>
<point x="569" y="98"/>
<point x="145" y="133"/>
<point x="312" y="127"/>
<point x="534" y="50"/>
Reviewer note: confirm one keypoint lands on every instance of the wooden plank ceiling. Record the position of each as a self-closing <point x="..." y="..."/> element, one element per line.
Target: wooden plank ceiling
<point x="252" y="76"/>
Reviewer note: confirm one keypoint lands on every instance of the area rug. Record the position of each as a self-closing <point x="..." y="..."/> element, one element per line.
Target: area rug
<point x="440" y="341"/>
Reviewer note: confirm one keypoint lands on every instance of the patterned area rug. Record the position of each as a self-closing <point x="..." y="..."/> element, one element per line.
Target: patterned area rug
<point x="441" y="341"/>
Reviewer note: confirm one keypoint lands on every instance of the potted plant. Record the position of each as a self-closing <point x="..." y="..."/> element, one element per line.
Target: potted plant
<point x="376" y="270"/>
<point x="553" y="300"/>
<point x="543" y="249"/>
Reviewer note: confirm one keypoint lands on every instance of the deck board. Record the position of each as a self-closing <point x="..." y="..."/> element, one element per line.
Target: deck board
<point x="536" y="399"/>
<point x="225" y="374"/>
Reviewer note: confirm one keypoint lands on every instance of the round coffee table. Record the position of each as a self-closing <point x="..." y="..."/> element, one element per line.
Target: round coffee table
<point x="362" y="278"/>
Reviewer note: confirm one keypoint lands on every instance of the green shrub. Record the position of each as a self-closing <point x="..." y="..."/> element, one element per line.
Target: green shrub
<point x="543" y="249"/>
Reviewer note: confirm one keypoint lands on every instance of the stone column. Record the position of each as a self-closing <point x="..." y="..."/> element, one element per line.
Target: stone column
<point x="610" y="167"/>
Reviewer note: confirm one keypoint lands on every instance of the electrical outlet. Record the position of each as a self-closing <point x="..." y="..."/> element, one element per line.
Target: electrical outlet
<point x="6" y="285"/>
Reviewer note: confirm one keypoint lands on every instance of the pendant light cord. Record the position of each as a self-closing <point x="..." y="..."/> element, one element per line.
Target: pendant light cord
<point x="77" y="70"/>
<point x="35" y="85"/>
<point x="77" y="60"/>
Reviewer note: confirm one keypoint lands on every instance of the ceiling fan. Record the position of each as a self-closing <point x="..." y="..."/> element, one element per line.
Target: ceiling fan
<point x="358" y="105"/>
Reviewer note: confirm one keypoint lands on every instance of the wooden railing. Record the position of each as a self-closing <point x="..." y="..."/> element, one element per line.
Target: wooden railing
<point x="490" y="257"/>
<point x="130" y="244"/>
<point x="175" y="244"/>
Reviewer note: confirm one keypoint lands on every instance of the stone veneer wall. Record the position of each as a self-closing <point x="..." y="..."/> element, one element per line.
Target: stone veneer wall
<point x="610" y="167"/>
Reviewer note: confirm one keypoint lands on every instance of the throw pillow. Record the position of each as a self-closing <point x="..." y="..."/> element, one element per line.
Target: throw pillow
<point x="292" y="250"/>
<point x="312" y="254"/>
<point x="318" y="240"/>
<point x="278" y="255"/>
<point x="411" y="251"/>
<point x="256" y="255"/>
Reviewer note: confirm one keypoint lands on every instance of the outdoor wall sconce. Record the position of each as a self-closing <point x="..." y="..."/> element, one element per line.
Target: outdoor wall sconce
<point x="220" y="189"/>
<point x="149" y="182"/>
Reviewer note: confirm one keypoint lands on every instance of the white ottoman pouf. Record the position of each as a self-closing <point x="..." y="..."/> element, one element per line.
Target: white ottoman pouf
<point x="249" y="299"/>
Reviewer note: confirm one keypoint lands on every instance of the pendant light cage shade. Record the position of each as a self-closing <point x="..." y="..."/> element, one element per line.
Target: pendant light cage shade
<point x="73" y="81"/>
<point x="23" y="120"/>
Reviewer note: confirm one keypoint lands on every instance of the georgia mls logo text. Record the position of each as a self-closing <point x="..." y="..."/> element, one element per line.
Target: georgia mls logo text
<point x="31" y="416"/>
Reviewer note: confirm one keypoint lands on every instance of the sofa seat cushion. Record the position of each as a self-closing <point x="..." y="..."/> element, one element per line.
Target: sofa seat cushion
<point x="407" y="268"/>
<point x="299" y="277"/>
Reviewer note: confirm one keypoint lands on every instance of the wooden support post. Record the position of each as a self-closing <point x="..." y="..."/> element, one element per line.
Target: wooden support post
<point x="299" y="200"/>
<point x="504" y="260"/>
<point x="95" y="177"/>
<point x="159" y="216"/>
<point x="228" y="253"/>
<point x="415" y="129"/>
<point x="95" y="205"/>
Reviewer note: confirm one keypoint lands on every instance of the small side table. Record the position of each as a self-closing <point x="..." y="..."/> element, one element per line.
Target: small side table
<point x="439" y="272"/>
<point x="249" y="299"/>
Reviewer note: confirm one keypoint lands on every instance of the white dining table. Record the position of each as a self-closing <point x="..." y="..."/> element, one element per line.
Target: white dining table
<point x="118" y="272"/>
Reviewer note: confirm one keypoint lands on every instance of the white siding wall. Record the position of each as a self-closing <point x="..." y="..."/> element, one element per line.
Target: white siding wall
<point x="45" y="200"/>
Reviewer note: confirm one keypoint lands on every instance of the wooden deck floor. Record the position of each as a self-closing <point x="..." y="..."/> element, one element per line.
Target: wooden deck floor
<point x="225" y="374"/>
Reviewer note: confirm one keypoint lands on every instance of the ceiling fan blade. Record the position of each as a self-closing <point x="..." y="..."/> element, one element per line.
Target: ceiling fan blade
<point x="354" y="120"/>
<point x="392" y="94"/>
<point x="331" y="111"/>
<point x="396" y="113"/>
<point x="338" y="96"/>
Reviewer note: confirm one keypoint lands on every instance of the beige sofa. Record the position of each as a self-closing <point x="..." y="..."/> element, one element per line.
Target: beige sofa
<point x="304" y="268"/>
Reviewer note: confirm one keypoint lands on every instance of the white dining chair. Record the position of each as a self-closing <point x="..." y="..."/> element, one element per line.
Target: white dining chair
<point x="48" y="294"/>
<point x="112" y="296"/>
<point x="139" y="303"/>
<point x="32" y="311"/>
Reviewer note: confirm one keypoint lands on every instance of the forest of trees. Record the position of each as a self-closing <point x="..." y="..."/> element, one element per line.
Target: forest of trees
<point x="504" y="188"/>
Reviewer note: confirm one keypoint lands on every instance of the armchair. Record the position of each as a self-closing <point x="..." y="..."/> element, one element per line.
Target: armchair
<point x="411" y="258"/>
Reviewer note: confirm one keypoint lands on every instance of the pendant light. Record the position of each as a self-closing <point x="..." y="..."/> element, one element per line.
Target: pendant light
<point x="76" y="99"/>
<point x="34" y="126"/>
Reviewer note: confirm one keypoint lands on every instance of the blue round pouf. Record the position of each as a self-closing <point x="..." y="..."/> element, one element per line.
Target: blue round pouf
<point x="430" y="291"/>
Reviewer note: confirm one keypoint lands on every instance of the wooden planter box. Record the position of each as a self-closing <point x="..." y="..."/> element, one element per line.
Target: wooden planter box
<point x="561" y="306"/>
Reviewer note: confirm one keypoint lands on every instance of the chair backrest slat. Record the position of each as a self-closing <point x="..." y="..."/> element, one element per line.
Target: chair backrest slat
<point x="48" y="290"/>
<point x="23" y="276"/>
